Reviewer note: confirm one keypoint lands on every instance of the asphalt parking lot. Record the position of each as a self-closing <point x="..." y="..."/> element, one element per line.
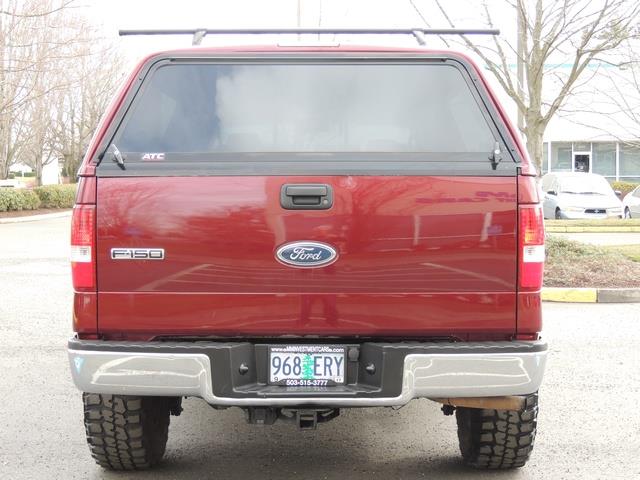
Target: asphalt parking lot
<point x="589" y="425"/>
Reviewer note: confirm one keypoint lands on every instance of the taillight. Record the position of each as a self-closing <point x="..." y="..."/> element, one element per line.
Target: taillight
<point x="530" y="246"/>
<point x="83" y="271"/>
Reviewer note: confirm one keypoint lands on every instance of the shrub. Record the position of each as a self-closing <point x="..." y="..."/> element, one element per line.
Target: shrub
<point x="12" y="199"/>
<point x="574" y="264"/>
<point x="31" y="201"/>
<point x="49" y="196"/>
<point x="56" y="196"/>
<point x="624" y="187"/>
<point x="9" y="199"/>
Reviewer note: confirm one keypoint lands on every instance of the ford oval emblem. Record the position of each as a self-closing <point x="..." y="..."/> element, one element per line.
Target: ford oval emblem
<point x="306" y="254"/>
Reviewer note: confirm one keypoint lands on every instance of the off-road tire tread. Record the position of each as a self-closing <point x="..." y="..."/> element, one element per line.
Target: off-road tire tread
<point x="497" y="439"/>
<point x="126" y="432"/>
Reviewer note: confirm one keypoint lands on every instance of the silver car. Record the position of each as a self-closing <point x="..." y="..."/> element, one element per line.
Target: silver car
<point x="576" y="195"/>
<point x="631" y="204"/>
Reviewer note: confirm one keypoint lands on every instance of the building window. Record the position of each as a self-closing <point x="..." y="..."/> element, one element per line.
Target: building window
<point x="581" y="146"/>
<point x="604" y="159"/>
<point x="545" y="158"/>
<point x="629" y="160"/>
<point x="561" y="156"/>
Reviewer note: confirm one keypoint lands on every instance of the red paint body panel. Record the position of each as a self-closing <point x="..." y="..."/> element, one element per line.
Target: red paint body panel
<point x="86" y="193"/>
<point x="418" y="256"/>
<point x="350" y="315"/>
<point x="527" y="190"/>
<point x="529" y="313"/>
<point x="85" y="312"/>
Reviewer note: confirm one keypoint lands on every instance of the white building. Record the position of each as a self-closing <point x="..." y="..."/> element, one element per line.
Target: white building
<point x="597" y="129"/>
<point x="50" y="171"/>
<point x="20" y="169"/>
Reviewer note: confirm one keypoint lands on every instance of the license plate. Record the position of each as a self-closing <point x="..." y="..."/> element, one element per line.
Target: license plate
<point x="306" y="365"/>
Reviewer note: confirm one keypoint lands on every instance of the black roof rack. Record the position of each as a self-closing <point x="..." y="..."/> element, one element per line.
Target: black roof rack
<point x="418" y="33"/>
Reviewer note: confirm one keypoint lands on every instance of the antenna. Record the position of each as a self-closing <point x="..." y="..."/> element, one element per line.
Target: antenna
<point x="418" y="33"/>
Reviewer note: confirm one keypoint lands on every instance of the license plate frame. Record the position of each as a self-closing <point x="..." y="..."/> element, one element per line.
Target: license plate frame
<point x="313" y="360"/>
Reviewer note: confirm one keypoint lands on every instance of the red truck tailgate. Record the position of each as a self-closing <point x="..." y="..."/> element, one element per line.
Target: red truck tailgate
<point x="418" y="256"/>
<point x="424" y="200"/>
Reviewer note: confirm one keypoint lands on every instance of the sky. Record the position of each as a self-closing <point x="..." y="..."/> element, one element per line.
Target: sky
<point x="115" y="14"/>
<point x="111" y="15"/>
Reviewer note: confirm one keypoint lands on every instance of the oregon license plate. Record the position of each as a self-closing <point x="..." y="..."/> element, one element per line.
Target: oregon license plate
<point x="306" y="365"/>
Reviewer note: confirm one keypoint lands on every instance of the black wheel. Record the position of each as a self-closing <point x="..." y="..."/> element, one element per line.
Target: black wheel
<point x="125" y="432"/>
<point x="627" y="213"/>
<point x="558" y="216"/>
<point x="497" y="439"/>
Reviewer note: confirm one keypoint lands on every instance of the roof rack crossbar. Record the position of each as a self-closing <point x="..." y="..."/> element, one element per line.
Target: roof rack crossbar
<point x="418" y="33"/>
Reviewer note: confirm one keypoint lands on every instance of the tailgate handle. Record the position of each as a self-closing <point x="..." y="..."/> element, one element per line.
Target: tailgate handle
<point x="306" y="197"/>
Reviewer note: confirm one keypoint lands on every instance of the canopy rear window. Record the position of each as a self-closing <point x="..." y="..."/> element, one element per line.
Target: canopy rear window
<point x="306" y="108"/>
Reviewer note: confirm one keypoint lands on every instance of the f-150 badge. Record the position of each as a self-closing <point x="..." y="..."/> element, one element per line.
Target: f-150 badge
<point x="137" y="254"/>
<point x="306" y="254"/>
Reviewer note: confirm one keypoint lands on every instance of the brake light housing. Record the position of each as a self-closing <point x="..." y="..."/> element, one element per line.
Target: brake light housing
<point x="83" y="252"/>
<point x="531" y="253"/>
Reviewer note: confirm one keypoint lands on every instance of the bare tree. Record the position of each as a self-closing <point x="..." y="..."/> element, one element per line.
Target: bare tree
<point x="32" y="42"/>
<point x="551" y="34"/>
<point x="45" y="80"/>
<point x="13" y="90"/>
<point x="55" y="81"/>
<point x="617" y="98"/>
<point x="98" y="70"/>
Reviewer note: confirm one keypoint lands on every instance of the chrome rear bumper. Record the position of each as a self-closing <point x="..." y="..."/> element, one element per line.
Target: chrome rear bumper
<point x="486" y="372"/>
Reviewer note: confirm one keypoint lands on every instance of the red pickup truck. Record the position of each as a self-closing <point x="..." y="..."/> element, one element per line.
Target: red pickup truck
<point x="296" y="230"/>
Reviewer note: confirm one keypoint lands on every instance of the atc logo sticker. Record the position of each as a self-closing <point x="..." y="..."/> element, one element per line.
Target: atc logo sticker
<point x="152" y="157"/>
<point x="306" y="254"/>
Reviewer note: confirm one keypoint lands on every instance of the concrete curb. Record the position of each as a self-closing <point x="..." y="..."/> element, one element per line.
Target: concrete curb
<point x="33" y="218"/>
<point x="611" y="229"/>
<point x="591" y="295"/>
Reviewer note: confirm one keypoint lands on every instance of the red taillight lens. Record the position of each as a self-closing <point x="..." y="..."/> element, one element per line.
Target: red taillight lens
<point x="530" y="246"/>
<point x="83" y="224"/>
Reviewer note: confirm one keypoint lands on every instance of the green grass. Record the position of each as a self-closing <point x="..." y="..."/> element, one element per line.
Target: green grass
<point x="629" y="251"/>
<point x="608" y="222"/>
